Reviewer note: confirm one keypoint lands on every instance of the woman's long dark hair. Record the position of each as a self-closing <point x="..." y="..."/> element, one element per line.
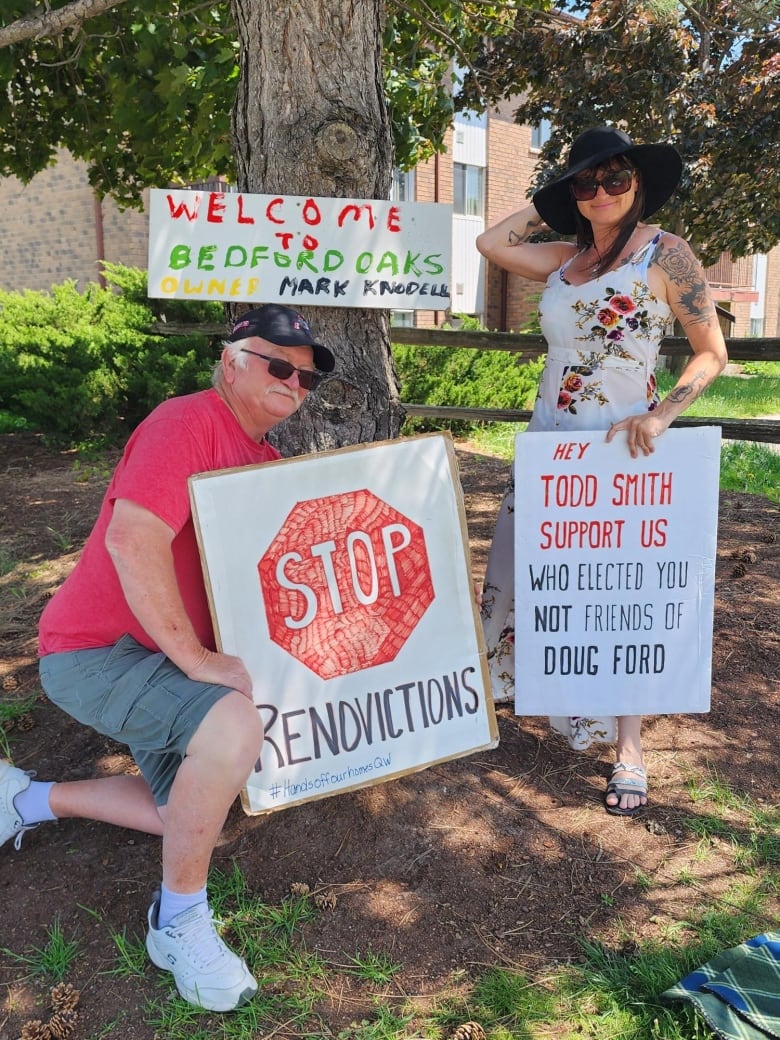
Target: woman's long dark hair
<point x="627" y="224"/>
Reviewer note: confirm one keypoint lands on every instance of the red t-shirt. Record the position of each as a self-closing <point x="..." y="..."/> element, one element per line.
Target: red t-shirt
<point x="181" y="437"/>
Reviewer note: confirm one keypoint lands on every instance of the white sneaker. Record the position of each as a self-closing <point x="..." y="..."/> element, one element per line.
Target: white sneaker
<point x="12" y="782"/>
<point x="206" y="972"/>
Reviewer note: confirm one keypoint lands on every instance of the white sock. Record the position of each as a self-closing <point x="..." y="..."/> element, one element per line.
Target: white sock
<point x="33" y="804"/>
<point x="174" y="903"/>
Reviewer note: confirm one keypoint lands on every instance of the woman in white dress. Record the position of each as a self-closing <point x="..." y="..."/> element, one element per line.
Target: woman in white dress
<point x="609" y="300"/>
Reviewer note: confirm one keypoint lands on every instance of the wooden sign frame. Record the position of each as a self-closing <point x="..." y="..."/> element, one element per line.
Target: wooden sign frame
<point x="614" y="573"/>
<point x="343" y="581"/>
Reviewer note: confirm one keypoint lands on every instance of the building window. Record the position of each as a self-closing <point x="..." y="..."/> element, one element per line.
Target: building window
<point x="540" y="135"/>
<point x="402" y="319"/>
<point x="468" y="190"/>
<point x="757" y="327"/>
<point x="402" y="188"/>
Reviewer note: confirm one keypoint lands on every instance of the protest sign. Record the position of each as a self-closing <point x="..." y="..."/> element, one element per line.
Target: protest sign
<point x="291" y="249"/>
<point x="342" y="580"/>
<point x="614" y="573"/>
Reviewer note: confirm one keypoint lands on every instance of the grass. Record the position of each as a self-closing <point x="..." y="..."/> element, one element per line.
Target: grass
<point x="132" y="960"/>
<point x="10" y="711"/>
<point x="376" y="968"/>
<point x="731" y="396"/>
<point x="52" y="960"/>
<point x="608" y="992"/>
<point x="755" y="841"/>
<point x="745" y="466"/>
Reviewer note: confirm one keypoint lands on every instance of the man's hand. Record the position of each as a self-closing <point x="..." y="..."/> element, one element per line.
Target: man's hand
<point x="223" y="669"/>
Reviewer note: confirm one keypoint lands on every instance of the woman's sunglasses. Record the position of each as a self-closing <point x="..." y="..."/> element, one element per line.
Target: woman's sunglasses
<point x="616" y="183"/>
<point x="281" y="369"/>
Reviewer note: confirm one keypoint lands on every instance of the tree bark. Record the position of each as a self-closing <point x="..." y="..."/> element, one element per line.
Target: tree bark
<point x="310" y="119"/>
<point x="47" y="23"/>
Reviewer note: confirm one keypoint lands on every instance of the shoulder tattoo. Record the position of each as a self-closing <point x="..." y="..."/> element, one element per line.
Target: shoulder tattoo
<point x="688" y="278"/>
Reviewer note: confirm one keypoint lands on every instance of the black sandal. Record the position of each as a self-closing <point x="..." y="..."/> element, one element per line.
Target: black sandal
<point x="626" y="785"/>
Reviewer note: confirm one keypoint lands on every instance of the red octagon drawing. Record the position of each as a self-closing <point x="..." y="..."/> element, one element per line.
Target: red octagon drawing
<point x="345" y="582"/>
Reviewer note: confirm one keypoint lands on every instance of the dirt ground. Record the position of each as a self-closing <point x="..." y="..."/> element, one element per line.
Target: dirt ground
<point x="502" y="858"/>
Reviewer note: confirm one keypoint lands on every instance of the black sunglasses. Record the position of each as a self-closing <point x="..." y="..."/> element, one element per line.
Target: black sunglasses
<point x="616" y="183"/>
<point x="281" y="369"/>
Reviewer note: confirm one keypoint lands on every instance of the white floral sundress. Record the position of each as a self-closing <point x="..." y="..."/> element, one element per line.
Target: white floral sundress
<point x="603" y="339"/>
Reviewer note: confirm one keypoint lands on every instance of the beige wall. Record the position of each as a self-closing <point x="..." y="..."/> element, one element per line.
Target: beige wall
<point x="50" y="229"/>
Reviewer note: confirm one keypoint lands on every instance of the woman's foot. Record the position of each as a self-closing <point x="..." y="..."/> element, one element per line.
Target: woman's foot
<point x="626" y="790"/>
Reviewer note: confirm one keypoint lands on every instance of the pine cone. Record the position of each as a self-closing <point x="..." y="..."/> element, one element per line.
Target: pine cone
<point x="299" y="888"/>
<point x="325" y="901"/>
<point x="61" y="1024"/>
<point x="739" y="571"/>
<point x="64" y="997"/>
<point x="748" y="556"/>
<point x="469" y="1031"/>
<point x="35" y="1030"/>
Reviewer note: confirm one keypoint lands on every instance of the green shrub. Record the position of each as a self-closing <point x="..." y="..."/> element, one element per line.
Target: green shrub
<point x="463" y="377"/>
<point x="83" y="366"/>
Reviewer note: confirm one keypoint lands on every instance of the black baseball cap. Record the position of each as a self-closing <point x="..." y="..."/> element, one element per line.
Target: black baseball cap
<point x="285" y="327"/>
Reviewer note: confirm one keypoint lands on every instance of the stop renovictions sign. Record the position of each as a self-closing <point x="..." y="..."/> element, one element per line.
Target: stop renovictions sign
<point x="345" y="582"/>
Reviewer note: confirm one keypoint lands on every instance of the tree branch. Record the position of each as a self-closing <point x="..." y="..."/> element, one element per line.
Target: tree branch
<point x="53" y="23"/>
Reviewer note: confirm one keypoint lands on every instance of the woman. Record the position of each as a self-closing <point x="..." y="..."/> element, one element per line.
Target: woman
<point x="608" y="302"/>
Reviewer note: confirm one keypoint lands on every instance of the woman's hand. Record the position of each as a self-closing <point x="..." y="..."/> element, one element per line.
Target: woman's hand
<point x="641" y="431"/>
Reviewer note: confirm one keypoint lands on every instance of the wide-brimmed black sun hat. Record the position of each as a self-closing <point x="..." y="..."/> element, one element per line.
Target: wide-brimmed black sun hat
<point x="660" y="166"/>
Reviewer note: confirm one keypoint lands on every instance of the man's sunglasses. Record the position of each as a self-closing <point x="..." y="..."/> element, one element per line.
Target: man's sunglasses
<point x="281" y="369"/>
<point x="616" y="183"/>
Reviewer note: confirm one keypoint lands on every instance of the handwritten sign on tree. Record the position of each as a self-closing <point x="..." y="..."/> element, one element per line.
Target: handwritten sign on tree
<point x="345" y="587"/>
<point x="614" y="573"/>
<point x="210" y="245"/>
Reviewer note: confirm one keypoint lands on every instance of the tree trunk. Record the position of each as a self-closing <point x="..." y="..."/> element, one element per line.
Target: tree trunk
<point x="310" y="119"/>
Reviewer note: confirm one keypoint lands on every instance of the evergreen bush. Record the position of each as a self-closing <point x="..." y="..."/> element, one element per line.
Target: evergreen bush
<point x="464" y="377"/>
<point x="82" y="366"/>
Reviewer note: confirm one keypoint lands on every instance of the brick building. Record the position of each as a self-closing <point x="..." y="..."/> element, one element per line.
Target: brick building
<point x="55" y="229"/>
<point x="749" y="288"/>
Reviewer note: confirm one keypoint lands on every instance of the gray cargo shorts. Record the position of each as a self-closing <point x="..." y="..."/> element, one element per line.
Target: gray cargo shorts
<point x="135" y="696"/>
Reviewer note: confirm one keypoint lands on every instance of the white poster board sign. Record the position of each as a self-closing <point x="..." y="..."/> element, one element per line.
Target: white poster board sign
<point x="614" y="573"/>
<point x="342" y="580"/>
<point x="324" y="252"/>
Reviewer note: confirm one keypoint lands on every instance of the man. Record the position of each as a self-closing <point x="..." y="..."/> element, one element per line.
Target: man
<point x="127" y="647"/>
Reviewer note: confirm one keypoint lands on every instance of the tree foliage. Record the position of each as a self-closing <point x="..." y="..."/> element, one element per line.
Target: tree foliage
<point x="143" y="91"/>
<point x="422" y="43"/>
<point x="704" y="75"/>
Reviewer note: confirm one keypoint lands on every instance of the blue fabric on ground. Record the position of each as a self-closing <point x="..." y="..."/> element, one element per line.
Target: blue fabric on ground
<point x="738" y="991"/>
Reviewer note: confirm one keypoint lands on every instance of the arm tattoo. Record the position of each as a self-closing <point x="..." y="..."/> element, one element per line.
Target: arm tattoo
<point x="687" y="277"/>
<point x="516" y="238"/>
<point x="689" y="391"/>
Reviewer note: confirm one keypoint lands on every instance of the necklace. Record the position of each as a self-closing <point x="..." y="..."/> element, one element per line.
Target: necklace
<point x="595" y="268"/>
